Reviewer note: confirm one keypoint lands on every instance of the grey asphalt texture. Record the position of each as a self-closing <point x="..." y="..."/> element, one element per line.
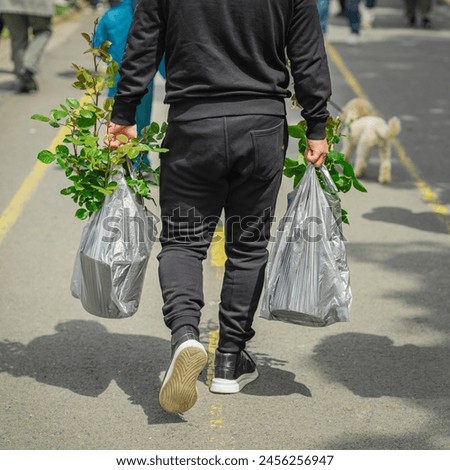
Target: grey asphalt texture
<point x="69" y="380"/>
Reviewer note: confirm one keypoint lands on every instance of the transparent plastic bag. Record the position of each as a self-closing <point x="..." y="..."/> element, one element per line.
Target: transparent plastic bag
<point x="112" y="259"/>
<point x="307" y="277"/>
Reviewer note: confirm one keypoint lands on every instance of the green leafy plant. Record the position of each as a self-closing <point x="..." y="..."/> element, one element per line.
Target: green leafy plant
<point x="88" y="163"/>
<point x="340" y="170"/>
<point x="63" y="9"/>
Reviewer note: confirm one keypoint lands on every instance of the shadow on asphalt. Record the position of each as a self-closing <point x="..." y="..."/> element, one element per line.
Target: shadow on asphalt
<point x="269" y="375"/>
<point x="67" y="74"/>
<point x="83" y="357"/>
<point x="426" y="221"/>
<point x="8" y="85"/>
<point x="426" y="265"/>
<point x="444" y="194"/>
<point x="373" y="366"/>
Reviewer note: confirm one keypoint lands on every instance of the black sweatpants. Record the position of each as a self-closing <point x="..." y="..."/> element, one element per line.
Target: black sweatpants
<point x="233" y="163"/>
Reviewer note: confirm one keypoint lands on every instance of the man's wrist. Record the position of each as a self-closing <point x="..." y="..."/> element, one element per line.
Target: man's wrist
<point x="123" y="114"/>
<point x="316" y="129"/>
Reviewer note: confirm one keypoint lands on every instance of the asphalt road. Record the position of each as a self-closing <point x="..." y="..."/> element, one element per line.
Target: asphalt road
<point x="69" y="380"/>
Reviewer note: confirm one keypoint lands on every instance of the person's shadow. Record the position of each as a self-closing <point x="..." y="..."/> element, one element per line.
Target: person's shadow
<point x="427" y="221"/>
<point x="274" y="381"/>
<point x="82" y="356"/>
<point x="372" y="366"/>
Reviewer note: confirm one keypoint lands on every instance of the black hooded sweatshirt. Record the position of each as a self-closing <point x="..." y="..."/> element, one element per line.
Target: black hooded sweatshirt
<point x="227" y="57"/>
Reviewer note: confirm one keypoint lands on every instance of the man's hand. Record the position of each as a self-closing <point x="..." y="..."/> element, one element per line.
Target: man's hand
<point x="117" y="129"/>
<point x="316" y="151"/>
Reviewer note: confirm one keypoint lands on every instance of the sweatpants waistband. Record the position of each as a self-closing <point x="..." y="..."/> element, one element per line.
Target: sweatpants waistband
<point x="194" y="109"/>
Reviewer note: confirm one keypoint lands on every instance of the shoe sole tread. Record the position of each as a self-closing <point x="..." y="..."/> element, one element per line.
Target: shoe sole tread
<point x="179" y="390"/>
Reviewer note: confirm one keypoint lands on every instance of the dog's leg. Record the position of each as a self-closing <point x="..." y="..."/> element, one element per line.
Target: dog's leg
<point x="362" y="157"/>
<point x="384" y="176"/>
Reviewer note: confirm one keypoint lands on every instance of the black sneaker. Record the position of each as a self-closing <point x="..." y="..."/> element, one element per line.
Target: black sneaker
<point x="179" y="389"/>
<point x="27" y="83"/>
<point x="232" y="372"/>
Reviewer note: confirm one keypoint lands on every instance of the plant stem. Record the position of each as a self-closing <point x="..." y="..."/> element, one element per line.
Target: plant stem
<point x="96" y="93"/>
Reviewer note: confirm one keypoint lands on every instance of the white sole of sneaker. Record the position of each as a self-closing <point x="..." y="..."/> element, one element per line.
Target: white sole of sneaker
<point x="179" y="389"/>
<point x="232" y="386"/>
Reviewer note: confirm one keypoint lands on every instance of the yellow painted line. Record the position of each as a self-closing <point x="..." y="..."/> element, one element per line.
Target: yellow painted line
<point x="213" y="343"/>
<point x="218" y="255"/>
<point x="346" y="73"/>
<point x="22" y="196"/>
<point x="215" y="416"/>
<point x="26" y="190"/>
<point x="15" y="207"/>
<point x="215" y="412"/>
<point x="428" y="195"/>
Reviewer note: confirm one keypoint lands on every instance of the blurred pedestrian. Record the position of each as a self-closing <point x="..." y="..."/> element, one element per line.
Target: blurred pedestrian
<point x="97" y="4"/>
<point x="353" y="16"/>
<point x="354" y="20"/>
<point x="368" y="13"/>
<point x="342" y="11"/>
<point x="424" y="6"/>
<point x="227" y="81"/>
<point x="323" y="7"/>
<point x="21" y="18"/>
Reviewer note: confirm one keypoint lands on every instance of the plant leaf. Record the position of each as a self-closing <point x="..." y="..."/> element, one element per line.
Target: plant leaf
<point x="45" y="156"/>
<point x="357" y="185"/>
<point x="67" y="191"/>
<point x="40" y="117"/>
<point x="82" y="214"/>
<point x="296" y="131"/>
<point x="298" y="177"/>
<point x="86" y="123"/>
<point x="289" y="162"/>
<point x="87" y="37"/>
<point x="154" y="127"/>
<point x="74" y="104"/>
<point x="122" y="138"/>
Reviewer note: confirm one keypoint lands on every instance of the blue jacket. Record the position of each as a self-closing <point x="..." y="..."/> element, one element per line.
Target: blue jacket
<point x="114" y="26"/>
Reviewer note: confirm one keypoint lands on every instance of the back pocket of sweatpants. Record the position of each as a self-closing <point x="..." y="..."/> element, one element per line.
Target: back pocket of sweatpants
<point x="268" y="148"/>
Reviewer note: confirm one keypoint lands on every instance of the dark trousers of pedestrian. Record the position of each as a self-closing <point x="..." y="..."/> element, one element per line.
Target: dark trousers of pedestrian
<point x="26" y="53"/>
<point x="413" y="5"/>
<point x="232" y="164"/>
<point x="353" y="15"/>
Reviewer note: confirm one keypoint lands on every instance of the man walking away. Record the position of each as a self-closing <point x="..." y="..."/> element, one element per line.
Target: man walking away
<point x="227" y="80"/>
<point x="412" y="6"/>
<point x="20" y="16"/>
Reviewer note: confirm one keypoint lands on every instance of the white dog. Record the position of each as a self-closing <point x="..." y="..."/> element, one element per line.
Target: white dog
<point x="355" y="109"/>
<point x="365" y="132"/>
